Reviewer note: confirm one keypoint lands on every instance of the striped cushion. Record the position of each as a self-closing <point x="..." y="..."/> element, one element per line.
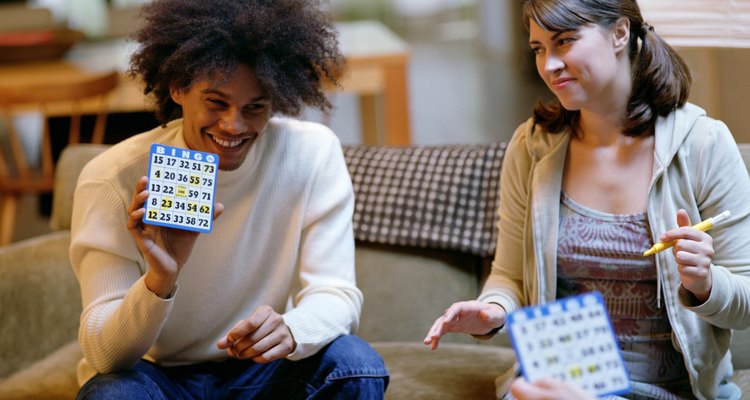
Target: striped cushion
<point x="442" y="197"/>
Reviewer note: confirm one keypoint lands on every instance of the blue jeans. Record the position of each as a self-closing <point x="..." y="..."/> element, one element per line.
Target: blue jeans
<point x="348" y="368"/>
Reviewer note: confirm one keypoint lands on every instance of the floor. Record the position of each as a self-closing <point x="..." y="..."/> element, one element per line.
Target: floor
<point x="459" y="93"/>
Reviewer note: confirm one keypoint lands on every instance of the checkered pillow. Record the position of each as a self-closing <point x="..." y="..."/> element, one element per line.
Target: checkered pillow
<point x="443" y="197"/>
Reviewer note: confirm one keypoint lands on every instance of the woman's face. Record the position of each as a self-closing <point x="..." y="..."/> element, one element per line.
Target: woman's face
<point x="585" y="68"/>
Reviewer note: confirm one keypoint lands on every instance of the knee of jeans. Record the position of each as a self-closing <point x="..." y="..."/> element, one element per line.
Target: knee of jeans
<point x="112" y="387"/>
<point x="136" y="383"/>
<point x="350" y="355"/>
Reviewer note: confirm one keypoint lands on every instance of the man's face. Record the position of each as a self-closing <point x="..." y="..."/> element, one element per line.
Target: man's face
<point x="224" y="115"/>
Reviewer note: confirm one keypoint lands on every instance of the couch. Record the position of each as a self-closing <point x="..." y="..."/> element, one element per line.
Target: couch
<point x="425" y="233"/>
<point x="417" y="251"/>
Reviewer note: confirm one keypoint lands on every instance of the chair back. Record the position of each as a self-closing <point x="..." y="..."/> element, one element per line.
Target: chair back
<point x="21" y="17"/>
<point x="22" y="172"/>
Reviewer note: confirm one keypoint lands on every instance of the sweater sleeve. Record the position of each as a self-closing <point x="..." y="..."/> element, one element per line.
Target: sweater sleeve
<point x="121" y="318"/>
<point x="329" y="303"/>
<point x="504" y="285"/>
<point x="722" y="183"/>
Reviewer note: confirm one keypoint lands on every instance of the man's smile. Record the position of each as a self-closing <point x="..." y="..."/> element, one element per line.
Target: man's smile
<point x="226" y="143"/>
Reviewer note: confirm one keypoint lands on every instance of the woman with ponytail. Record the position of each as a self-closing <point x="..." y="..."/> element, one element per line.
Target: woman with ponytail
<point x="618" y="161"/>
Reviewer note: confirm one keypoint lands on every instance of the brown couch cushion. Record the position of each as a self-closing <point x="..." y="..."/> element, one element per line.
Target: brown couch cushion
<point x="406" y="289"/>
<point x="53" y="377"/>
<point x="453" y="371"/>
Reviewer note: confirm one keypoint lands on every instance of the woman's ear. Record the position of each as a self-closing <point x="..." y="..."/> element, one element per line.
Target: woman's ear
<point x="621" y="33"/>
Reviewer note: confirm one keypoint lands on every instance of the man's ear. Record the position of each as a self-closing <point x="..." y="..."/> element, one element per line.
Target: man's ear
<point x="176" y="95"/>
<point x="621" y="33"/>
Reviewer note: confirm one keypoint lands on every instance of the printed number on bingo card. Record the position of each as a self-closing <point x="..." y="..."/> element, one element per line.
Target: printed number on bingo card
<point x="572" y="340"/>
<point x="182" y="187"/>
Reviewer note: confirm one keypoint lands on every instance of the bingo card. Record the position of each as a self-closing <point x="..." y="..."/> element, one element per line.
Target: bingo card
<point x="570" y="339"/>
<point x="182" y="186"/>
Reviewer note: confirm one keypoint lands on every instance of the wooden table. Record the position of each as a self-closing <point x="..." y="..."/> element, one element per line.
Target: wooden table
<point x="377" y="63"/>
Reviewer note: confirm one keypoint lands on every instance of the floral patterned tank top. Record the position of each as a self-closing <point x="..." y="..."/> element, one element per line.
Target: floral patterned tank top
<point x="602" y="252"/>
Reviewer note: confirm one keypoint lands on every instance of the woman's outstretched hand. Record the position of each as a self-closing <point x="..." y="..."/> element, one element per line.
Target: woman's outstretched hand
<point x="472" y="317"/>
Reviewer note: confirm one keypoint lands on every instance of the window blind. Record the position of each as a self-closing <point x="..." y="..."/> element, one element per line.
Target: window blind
<point x="700" y="23"/>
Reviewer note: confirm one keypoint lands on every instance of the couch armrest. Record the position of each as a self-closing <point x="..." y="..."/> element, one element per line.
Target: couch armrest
<point x="69" y="166"/>
<point x="740" y="349"/>
<point x="40" y="300"/>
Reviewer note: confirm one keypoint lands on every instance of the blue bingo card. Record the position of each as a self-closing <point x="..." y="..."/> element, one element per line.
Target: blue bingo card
<point x="570" y="339"/>
<point x="182" y="186"/>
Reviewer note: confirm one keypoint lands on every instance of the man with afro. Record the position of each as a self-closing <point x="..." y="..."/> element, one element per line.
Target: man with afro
<point x="266" y="304"/>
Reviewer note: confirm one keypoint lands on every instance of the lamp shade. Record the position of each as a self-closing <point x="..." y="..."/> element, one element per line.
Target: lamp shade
<point x="700" y="23"/>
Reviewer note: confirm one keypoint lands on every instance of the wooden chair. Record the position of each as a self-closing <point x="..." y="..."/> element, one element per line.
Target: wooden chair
<point x="18" y="176"/>
<point x="18" y="16"/>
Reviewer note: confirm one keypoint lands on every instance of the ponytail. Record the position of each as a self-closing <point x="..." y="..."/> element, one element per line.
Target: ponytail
<point x="661" y="81"/>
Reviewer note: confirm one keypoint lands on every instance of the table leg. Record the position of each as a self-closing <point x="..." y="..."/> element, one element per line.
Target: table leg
<point x="8" y="207"/>
<point x="368" y="110"/>
<point x="397" y="129"/>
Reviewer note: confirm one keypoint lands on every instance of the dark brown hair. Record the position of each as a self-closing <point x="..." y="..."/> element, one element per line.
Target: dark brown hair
<point x="290" y="44"/>
<point x="661" y="79"/>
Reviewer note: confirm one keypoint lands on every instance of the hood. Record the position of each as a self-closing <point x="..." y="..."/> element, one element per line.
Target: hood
<point x="541" y="143"/>
<point x="672" y="130"/>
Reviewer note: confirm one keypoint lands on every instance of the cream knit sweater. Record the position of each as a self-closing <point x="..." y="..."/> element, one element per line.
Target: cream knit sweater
<point x="284" y="240"/>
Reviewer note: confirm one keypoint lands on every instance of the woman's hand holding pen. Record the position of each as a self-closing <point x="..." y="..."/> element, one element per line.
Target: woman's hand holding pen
<point x="166" y="250"/>
<point x="693" y="252"/>
<point x="472" y="317"/>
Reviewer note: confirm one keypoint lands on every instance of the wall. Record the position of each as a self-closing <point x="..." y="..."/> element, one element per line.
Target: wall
<point x="722" y="85"/>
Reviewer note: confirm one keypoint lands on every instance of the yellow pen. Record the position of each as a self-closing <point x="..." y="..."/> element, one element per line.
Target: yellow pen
<point x="701" y="226"/>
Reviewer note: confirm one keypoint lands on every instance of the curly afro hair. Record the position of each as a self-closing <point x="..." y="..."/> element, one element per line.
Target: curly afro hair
<point x="290" y="44"/>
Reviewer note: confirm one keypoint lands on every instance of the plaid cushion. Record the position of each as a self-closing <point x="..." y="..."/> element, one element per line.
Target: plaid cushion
<point x="443" y="197"/>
